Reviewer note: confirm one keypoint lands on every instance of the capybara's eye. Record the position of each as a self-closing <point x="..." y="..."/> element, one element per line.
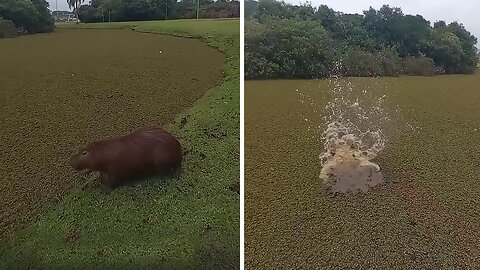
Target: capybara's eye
<point x="84" y="152"/>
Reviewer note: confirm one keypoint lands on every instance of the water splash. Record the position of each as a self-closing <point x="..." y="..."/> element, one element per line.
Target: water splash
<point x="346" y="161"/>
<point x="353" y="138"/>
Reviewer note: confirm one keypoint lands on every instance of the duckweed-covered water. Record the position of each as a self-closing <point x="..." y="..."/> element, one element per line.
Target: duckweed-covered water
<point x="425" y="214"/>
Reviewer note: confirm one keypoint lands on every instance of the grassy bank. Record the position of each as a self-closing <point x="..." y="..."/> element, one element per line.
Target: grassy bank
<point x="159" y="223"/>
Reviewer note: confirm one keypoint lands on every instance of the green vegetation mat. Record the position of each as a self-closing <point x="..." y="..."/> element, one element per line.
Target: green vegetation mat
<point x="159" y="223"/>
<point x="427" y="215"/>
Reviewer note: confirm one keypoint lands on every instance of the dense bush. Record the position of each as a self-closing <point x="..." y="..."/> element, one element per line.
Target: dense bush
<point x="372" y="44"/>
<point x="359" y="63"/>
<point x="7" y="29"/>
<point x="256" y="63"/>
<point x="289" y="48"/>
<point x="420" y="65"/>
<point x="283" y="48"/>
<point x="30" y="16"/>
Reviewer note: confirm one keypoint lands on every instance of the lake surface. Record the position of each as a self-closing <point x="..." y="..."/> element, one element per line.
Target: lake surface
<point x="425" y="215"/>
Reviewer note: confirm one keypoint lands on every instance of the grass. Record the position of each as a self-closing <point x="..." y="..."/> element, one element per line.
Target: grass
<point x="425" y="217"/>
<point x="189" y="224"/>
<point x="199" y="28"/>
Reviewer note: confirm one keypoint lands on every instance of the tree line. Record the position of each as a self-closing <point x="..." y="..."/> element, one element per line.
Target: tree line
<point x="33" y="16"/>
<point x="25" y="17"/>
<point x="302" y="41"/>
<point x="144" y="10"/>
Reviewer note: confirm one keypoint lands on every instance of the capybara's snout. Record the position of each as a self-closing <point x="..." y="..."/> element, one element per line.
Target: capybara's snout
<point x="74" y="161"/>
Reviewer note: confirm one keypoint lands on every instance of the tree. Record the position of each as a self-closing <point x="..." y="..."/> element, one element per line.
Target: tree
<point x="272" y="8"/>
<point x="250" y="8"/>
<point x="221" y="9"/>
<point x="415" y="29"/>
<point x="478" y="59"/>
<point x="30" y="16"/>
<point x="468" y="42"/>
<point x="446" y="50"/>
<point x="45" y="19"/>
<point x="355" y="35"/>
<point x="136" y="10"/>
<point x="96" y="3"/>
<point x="377" y="42"/>
<point x="390" y="27"/>
<point x="329" y="19"/>
<point x="75" y="4"/>
<point x="89" y="14"/>
<point x="452" y="48"/>
<point x="386" y="25"/>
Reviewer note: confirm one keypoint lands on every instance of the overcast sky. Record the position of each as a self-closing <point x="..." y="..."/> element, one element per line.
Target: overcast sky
<point x="464" y="11"/>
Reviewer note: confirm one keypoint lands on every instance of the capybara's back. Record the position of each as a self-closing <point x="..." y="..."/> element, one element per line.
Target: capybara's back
<point x="143" y="151"/>
<point x="156" y="147"/>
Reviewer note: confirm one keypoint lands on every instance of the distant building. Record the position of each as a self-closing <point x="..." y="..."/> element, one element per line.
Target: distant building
<point x="64" y="16"/>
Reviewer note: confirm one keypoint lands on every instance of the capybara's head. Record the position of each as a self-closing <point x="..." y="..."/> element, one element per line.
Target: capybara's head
<point x="82" y="160"/>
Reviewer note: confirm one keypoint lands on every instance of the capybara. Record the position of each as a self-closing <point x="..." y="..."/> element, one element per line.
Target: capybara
<point x="118" y="159"/>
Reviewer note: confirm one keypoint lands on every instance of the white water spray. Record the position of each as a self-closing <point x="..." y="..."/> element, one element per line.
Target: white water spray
<point x="353" y="138"/>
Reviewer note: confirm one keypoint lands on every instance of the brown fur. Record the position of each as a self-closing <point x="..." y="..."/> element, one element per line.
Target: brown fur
<point x="118" y="159"/>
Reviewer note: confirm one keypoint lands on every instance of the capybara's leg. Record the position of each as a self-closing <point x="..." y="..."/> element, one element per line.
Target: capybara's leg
<point x="177" y="173"/>
<point x="88" y="182"/>
<point x="106" y="183"/>
<point x="106" y="189"/>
